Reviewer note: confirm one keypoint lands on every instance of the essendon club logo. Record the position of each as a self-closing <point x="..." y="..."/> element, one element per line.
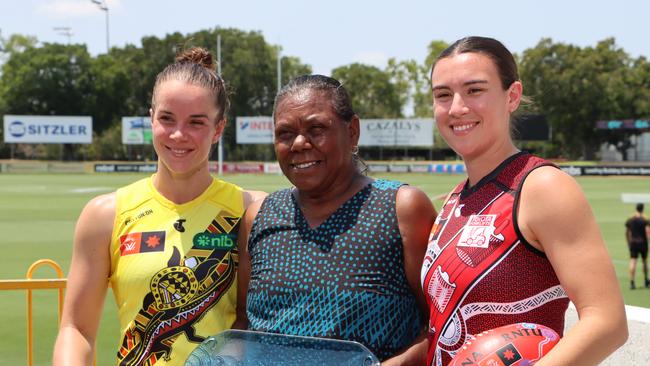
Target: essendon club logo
<point x="477" y="231"/>
<point x="143" y="242"/>
<point x="508" y="354"/>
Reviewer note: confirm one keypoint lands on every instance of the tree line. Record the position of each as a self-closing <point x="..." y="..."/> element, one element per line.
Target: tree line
<point x="573" y="87"/>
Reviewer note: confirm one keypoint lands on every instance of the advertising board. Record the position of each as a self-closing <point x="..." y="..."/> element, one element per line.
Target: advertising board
<point x="48" y="129"/>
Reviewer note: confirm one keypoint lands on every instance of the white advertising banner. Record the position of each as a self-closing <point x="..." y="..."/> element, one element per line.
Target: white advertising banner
<point x="48" y="129"/>
<point x="255" y="130"/>
<point x="136" y="130"/>
<point x="396" y="132"/>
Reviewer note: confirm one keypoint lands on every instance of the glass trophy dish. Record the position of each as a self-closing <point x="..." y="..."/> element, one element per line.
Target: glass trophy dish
<point x="247" y="348"/>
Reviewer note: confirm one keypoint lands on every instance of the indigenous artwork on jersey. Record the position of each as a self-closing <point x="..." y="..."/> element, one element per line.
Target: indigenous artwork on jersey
<point x="478" y="272"/>
<point x="182" y="292"/>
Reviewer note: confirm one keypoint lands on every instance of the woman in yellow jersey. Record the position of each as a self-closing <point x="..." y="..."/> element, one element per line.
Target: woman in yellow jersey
<point x="167" y="244"/>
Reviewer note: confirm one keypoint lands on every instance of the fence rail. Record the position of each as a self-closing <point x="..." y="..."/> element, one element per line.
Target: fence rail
<point x="29" y="285"/>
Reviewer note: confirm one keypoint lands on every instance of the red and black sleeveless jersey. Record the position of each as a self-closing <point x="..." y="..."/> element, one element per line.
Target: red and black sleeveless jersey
<point x="479" y="272"/>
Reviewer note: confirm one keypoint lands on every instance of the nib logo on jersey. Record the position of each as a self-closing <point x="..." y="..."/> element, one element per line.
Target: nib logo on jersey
<point x="142" y="242"/>
<point x="211" y="241"/>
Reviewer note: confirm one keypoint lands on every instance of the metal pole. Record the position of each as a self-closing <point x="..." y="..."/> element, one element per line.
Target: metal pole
<point x="144" y="142"/>
<point x="108" y="44"/>
<point x="219" y="55"/>
<point x="104" y="7"/>
<point x="220" y="143"/>
<point x="279" y="69"/>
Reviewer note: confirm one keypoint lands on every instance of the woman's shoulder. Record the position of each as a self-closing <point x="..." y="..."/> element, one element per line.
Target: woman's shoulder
<point x="405" y="195"/>
<point x="102" y="202"/>
<point x="387" y="184"/>
<point x="550" y="198"/>
<point x="135" y="191"/>
<point x="139" y="184"/>
<point x="413" y="199"/>
<point x="281" y="194"/>
<point x="273" y="206"/>
<point x="551" y="189"/>
<point x="99" y="213"/>
<point x="545" y="176"/>
<point x="252" y="197"/>
<point x="278" y="200"/>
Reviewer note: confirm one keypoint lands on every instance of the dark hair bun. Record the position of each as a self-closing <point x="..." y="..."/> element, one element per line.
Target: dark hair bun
<point x="197" y="55"/>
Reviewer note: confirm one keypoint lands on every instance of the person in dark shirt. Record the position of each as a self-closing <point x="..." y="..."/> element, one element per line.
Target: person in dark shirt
<point x="636" y="233"/>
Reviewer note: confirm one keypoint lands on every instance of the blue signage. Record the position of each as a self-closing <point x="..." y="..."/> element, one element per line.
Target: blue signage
<point x="17" y="129"/>
<point x="48" y="129"/>
<point x="624" y="124"/>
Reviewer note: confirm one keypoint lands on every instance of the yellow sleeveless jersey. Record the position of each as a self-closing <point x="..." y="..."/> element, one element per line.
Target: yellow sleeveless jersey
<point x="173" y="270"/>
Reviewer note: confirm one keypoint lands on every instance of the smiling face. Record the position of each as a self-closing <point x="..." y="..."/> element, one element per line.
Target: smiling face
<point x="312" y="144"/>
<point x="184" y="127"/>
<point x="471" y="108"/>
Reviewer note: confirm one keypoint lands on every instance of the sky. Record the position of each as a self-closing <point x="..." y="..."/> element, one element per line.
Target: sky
<point x="333" y="33"/>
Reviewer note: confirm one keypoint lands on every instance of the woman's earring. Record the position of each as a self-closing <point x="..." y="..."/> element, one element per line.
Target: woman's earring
<point x="361" y="165"/>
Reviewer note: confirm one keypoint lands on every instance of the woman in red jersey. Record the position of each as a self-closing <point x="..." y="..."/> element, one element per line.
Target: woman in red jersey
<point x="517" y="240"/>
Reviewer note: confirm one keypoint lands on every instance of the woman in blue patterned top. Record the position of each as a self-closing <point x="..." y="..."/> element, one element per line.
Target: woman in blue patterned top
<point x="337" y="255"/>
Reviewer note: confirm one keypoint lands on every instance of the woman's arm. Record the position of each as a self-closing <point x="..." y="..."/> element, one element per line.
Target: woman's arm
<point x="555" y="217"/>
<point x="252" y="202"/>
<point x="415" y="216"/>
<point x="87" y="283"/>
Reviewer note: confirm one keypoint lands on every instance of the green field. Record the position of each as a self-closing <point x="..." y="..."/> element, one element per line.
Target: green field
<point x="38" y="212"/>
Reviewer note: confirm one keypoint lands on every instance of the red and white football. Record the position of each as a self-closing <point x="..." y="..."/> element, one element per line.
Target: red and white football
<point x="519" y="344"/>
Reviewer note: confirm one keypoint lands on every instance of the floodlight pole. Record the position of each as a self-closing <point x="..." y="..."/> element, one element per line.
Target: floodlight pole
<point x="220" y="145"/>
<point x="64" y="31"/>
<point x="279" y="69"/>
<point x="104" y="7"/>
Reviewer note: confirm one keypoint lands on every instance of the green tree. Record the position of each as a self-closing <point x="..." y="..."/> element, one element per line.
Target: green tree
<point x="49" y="80"/>
<point x="638" y="85"/>
<point x="434" y="49"/>
<point x="248" y="65"/>
<point x="56" y="79"/>
<point x="113" y="92"/>
<point x="423" y="100"/>
<point x="575" y="87"/>
<point x="16" y="43"/>
<point x="412" y="80"/>
<point x="371" y="90"/>
<point x="52" y="79"/>
<point x="407" y="79"/>
<point x="249" y="68"/>
<point x="107" y="145"/>
<point x="292" y="68"/>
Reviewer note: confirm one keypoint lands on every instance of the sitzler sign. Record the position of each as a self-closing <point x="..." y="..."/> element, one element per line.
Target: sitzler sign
<point x="48" y="129"/>
<point x="396" y="132"/>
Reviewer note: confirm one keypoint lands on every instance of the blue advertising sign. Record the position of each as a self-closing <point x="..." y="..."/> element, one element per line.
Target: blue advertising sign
<point x="48" y="129"/>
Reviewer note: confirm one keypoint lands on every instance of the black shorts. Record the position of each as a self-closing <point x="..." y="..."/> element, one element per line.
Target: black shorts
<point x="638" y="248"/>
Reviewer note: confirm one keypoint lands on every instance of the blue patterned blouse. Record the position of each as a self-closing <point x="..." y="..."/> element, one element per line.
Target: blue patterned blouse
<point x="344" y="279"/>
